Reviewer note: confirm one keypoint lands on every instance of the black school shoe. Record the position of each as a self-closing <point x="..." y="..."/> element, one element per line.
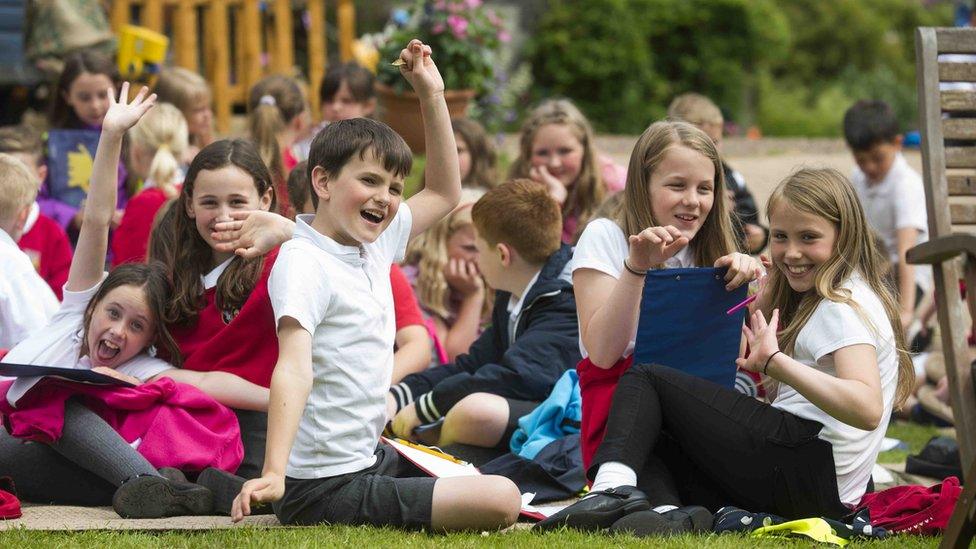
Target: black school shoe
<point x="156" y="497"/>
<point x="676" y="521"/>
<point x="598" y="510"/>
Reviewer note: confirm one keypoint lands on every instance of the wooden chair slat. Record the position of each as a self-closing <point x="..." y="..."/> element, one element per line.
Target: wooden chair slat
<point x="960" y="157"/>
<point x="958" y="100"/>
<point x="962" y="184"/>
<point x="957" y="72"/>
<point x="959" y="128"/>
<point x="955" y="40"/>
<point x="962" y="214"/>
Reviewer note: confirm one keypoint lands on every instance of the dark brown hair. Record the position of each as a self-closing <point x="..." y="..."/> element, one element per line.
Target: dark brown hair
<point x="339" y="141"/>
<point x="153" y="279"/>
<point x="357" y="78"/>
<point x="272" y="103"/>
<point x="298" y="187"/>
<point x="520" y="213"/>
<point x="189" y="255"/>
<point x="90" y="61"/>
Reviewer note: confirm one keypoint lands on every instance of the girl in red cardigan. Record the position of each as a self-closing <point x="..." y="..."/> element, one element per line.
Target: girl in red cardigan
<point x="155" y="145"/>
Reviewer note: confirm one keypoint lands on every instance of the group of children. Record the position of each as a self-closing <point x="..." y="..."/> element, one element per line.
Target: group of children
<point x="287" y="277"/>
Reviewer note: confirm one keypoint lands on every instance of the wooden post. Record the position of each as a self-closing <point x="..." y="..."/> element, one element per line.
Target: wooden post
<point x="152" y="15"/>
<point x="250" y="25"/>
<point x="346" y="15"/>
<point x="316" y="52"/>
<point x="283" y="60"/>
<point x="120" y="14"/>
<point x="185" y="35"/>
<point x="217" y="41"/>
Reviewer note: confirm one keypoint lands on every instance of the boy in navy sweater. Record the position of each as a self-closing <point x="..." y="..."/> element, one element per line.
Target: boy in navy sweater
<point x="533" y="337"/>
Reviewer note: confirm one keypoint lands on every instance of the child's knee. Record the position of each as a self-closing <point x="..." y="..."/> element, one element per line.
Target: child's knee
<point x="478" y="410"/>
<point x="504" y="500"/>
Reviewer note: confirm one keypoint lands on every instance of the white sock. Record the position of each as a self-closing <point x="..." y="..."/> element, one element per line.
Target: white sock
<point x="661" y="509"/>
<point x="613" y="474"/>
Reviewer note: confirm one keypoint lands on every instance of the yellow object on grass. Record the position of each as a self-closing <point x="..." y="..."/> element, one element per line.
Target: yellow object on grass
<point x="814" y="528"/>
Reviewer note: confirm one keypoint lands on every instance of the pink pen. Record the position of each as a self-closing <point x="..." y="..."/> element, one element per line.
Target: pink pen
<point x="747" y="301"/>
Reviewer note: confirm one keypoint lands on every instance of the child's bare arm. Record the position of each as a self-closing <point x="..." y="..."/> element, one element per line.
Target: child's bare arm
<point x="226" y="388"/>
<point x="88" y="262"/>
<point x="290" y="387"/>
<point x="443" y="176"/>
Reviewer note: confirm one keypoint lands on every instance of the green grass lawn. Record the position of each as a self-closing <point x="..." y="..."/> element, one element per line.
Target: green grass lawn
<point x="363" y="537"/>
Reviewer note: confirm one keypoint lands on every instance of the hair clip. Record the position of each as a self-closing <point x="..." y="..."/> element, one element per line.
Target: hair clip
<point x="267" y="100"/>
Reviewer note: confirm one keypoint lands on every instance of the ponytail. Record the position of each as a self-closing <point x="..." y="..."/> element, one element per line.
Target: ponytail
<point x="264" y="124"/>
<point x="163" y="133"/>
<point x="164" y="170"/>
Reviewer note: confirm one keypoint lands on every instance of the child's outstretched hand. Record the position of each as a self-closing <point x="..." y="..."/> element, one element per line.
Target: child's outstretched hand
<point x="252" y="233"/>
<point x="654" y="245"/>
<point x="762" y="341"/>
<point x="123" y="114"/>
<point x="265" y="489"/>
<point x="419" y="69"/>
<point x="742" y="268"/>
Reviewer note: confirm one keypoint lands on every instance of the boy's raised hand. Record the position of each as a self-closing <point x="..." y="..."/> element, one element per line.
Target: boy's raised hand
<point x="123" y="114"/>
<point x="419" y="69"/>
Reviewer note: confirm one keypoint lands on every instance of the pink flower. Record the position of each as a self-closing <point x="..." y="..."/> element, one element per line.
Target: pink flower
<point x="493" y="18"/>
<point x="440" y="5"/>
<point x="503" y="36"/>
<point x="459" y="25"/>
<point x="473" y="4"/>
<point x="437" y="28"/>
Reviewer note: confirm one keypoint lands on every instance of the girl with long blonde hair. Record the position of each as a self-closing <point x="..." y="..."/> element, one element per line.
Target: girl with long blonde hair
<point x="556" y="148"/>
<point x="442" y="266"/>
<point x="838" y="365"/>
<point x="156" y="144"/>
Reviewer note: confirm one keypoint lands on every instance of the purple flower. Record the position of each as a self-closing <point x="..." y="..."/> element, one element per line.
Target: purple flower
<point x="459" y="25"/>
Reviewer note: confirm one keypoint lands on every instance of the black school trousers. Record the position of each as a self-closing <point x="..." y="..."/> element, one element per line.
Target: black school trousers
<point x="693" y="442"/>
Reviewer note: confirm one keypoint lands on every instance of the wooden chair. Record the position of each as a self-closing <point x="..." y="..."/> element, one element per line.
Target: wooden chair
<point x="949" y="171"/>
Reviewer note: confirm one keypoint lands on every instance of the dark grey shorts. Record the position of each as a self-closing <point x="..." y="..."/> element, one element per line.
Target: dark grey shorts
<point x="382" y="495"/>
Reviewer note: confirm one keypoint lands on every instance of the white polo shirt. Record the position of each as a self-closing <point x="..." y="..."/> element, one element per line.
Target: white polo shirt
<point x="896" y="202"/>
<point x="341" y="295"/>
<point x="26" y="301"/>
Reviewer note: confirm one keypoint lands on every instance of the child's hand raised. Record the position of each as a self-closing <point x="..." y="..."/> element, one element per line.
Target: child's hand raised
<point x="654" y="245"/>
<point x="463" y="277"/>
<point x="419" y="69"/>
<point x="251" y="233"/>
<point x="742" y="268"/>
<point x="123" y="114"/>
<point x="762" y="341"/>
<point x="556" y="189"/>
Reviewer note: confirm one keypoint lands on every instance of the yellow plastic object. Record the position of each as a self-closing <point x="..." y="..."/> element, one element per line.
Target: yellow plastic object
<point x="814" y="528"/>
<point x="141" y="51"/>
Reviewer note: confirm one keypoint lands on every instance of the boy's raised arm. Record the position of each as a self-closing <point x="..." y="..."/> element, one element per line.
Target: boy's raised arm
<point x="88" y="263"/>
<point x="443" y="177"/>
<point x="290" y="386"/>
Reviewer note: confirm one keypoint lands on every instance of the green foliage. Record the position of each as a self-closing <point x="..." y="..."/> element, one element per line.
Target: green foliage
<point x="792" y="66"/>
<point x="594" y="52"/>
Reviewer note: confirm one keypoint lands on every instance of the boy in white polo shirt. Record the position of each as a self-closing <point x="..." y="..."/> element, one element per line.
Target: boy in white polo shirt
<point x="330" y="290"/>
<point x="892" y="195"/>
<point x="26" y="301"/>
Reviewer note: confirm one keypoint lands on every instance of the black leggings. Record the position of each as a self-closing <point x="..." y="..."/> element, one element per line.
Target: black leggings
<point x="693" y="442"/>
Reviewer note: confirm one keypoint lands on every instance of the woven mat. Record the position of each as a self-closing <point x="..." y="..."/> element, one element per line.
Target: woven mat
<point x="64" y="517"/>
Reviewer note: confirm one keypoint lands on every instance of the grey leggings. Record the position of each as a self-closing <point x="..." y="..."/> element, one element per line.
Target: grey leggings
<point x="83" y="467"/>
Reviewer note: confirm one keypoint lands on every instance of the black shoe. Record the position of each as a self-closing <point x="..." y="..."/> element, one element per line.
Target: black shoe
<point x="172" y="474"/>
<point x="157" y="497"/>
<point x="597" y="510"/>
<point x="225" y="487"/>
<point x="676" y="521"/>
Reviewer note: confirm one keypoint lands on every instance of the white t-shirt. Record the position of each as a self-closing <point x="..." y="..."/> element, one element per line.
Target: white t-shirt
<point x="341" y="295"/>
<point x="26" y="301"/>
<point x="896" y="202"/>
<point x="603" y="247"/>
<point x="59" y="344"/>
<point x="831" y="327"/>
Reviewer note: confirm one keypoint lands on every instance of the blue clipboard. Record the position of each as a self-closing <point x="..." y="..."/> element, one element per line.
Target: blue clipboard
<point x="83" y="376"/>
<point x="70" y="156"/>
<point x="683" y="323"/>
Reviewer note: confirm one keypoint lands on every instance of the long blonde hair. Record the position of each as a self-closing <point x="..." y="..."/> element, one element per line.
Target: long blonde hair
<point x="163" y="133"/>
<point x="828" y="194"/>
<point x="428" y="252"/>
<point x="634" y="214"/>
<point x="272" y="103"/>
<point x="589" y="189"/>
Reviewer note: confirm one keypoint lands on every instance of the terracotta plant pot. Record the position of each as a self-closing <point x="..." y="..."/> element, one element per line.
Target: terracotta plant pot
<point x="402" y="112"/>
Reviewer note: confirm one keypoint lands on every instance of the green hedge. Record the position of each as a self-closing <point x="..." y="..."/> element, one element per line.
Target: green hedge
<point x="790" y="66"/>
